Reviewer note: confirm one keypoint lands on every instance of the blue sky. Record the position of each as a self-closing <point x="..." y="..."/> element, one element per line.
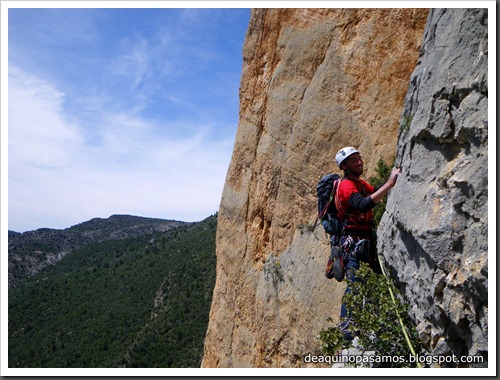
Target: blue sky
<point x="120" y="111"/>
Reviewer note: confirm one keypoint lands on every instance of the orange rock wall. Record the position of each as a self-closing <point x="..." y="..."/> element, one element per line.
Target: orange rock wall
<point x="313" y="81"/>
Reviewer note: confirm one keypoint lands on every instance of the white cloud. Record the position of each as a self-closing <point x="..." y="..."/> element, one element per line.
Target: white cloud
<point x="134" y="63"/>
<point x="40" y="136"/>
<point x="57" y="178"/>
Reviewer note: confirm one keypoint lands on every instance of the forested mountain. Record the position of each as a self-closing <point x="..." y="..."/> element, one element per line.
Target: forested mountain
<point x="137" y="301"/>
<point x="31" y="251"/>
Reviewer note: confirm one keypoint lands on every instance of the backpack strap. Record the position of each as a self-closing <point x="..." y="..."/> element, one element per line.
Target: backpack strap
<point x="332" y="196"/>
<point x="339" y="206"/>
<point x="337" y="199"/>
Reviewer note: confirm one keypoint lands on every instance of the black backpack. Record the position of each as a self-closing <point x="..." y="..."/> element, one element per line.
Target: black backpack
<point x="327" y="212"/>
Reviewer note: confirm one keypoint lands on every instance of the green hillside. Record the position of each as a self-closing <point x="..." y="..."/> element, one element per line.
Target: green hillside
<point x="136" y="302"/>
<point x="32" y="251"/>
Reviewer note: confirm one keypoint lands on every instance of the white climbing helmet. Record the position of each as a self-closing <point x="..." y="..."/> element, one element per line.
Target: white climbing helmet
<point x="344" y="153"/>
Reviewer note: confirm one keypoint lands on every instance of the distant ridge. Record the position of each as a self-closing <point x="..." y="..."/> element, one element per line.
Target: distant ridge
<point x="117" y="221"/>
<point x="31" y="251"/>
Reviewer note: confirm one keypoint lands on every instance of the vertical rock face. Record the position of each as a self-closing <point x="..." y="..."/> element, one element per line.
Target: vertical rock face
<point x="434" y="233"/>
<point x="313" y="81"/>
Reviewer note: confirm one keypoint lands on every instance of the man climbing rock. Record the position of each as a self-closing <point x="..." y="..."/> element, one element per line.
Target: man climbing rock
<point x="354" y="199"/>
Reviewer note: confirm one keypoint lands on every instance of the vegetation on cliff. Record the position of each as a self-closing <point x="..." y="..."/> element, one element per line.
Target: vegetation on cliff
<point x="375" y="319"/>
<point x="383" y="172"/>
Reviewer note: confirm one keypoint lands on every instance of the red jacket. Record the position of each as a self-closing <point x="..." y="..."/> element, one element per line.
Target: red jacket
<point x="357" y="222"/>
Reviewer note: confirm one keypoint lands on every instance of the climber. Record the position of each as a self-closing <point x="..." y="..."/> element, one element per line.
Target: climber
<point x="354" y="200"/>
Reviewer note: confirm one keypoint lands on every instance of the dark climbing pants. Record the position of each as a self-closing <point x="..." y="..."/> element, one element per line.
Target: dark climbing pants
<point x="351" y="266"/>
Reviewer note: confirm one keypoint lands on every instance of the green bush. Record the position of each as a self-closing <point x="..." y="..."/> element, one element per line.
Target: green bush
<point x="406" y="122"/>
<point x="375" y="320"/>
<point x="383" y="172"/>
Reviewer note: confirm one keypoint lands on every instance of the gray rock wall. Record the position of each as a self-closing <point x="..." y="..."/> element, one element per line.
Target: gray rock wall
<point x="434" y="235"/>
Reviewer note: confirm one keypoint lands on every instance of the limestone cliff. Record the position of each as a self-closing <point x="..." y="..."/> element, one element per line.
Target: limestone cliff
<point x="439" y="255"/>
<point x="313" y="81"/>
